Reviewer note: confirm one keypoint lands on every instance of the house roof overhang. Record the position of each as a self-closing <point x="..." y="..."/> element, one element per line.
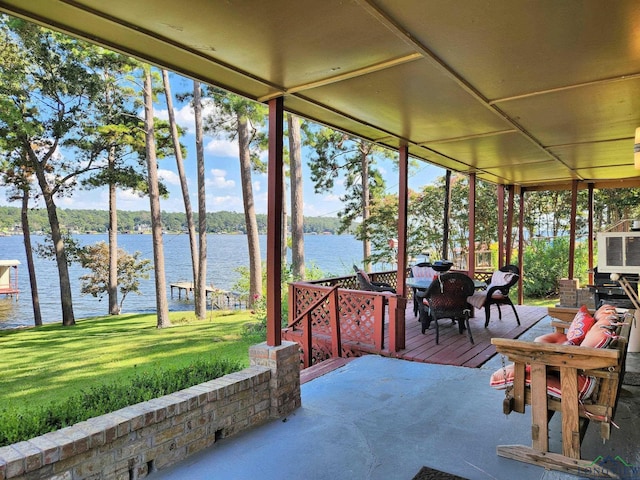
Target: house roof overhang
<point x="533" y="94"/>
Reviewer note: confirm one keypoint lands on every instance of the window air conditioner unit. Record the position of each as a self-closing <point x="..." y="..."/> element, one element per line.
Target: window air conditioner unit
<point x="619" y="252"/>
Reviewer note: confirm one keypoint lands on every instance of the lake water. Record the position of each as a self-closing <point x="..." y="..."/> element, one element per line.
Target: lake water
<point x="333" y="254"/>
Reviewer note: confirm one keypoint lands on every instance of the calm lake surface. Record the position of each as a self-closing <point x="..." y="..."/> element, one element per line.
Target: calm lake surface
<point x="333" y="254"/>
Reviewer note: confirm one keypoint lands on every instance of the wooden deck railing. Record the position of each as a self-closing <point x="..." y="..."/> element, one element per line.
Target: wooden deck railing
<point x="330" y="297"/>
<point x="332" y="318"/>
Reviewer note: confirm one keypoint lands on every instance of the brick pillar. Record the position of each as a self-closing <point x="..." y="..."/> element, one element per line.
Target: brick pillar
<point x="568" y="289"/>
<point x="284" y="386"/>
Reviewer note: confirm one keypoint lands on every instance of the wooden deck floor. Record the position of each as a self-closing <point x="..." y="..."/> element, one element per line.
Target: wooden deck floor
<point x="454" y="348"/>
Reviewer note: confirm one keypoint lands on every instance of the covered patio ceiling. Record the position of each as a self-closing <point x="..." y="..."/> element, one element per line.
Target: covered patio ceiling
<point x="520" y="92"/>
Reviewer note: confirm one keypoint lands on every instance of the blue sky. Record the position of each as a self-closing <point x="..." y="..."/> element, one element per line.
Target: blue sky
<point x="223" y="176"/>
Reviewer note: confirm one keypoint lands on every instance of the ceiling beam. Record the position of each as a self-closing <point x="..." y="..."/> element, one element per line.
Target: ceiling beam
<point x="604" y="81"/>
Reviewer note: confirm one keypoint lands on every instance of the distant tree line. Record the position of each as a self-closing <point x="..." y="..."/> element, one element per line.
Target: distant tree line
<point x="97" y="221"/>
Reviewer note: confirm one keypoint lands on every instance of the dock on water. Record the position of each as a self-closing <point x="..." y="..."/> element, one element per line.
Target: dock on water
<point x="187" y="287"/>
<point x="220" y="299"/>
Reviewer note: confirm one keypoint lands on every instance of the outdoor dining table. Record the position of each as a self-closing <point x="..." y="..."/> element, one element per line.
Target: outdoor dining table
<point x="421" y="284"/>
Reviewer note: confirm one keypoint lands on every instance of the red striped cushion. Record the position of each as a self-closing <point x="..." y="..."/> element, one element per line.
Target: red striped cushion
<point x="498" y="381"/>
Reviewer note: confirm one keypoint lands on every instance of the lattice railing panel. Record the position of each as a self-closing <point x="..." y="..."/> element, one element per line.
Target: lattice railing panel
<point x="358" y="316"/>
<point x="361" y="316"/>
<point x="304" y="297"/>
<point x="387" y="277"/>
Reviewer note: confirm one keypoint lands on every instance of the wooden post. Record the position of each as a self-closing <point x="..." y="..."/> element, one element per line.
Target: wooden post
<point x="472" y="225"/>
<point x="334" y="319"/>
<point x="446" y="214"/>
<point x="397" y="307"/>
<point x="572" y="230"/>
<point x="403" y="200"/>
<point x="521" y="248"/>
<point x="539" y="410"/>
<point x="500" y="225"/>
<point x="509" y="241"/>
<point x="274" y="222"/>
<point x="590" y="241"/>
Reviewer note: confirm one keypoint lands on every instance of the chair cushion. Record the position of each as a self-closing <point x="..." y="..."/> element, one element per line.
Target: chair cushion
<point x="500" y="278"/>
<point x="605" y="311"/>
<point x="580" y="325"/>
<point x="553" y="337"/>
<point x="477" y="299"/>
<point x="364" y="274"/>
<point x="423" y="272"/>
<point x="503" y="378"/>
<point x="599" y="336"/>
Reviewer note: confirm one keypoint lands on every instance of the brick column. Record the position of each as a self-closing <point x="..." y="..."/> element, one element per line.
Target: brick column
<point x="284" y="362"/>
<point x="568" y="292"/>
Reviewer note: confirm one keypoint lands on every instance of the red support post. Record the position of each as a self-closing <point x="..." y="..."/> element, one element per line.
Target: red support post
<point x="403" y="200"/>
<point x="509" y="236"/>
<point x="397" y="307"/>
<point x="521" y="248"/>
<point x="472" y="225"/>
<point x="446" y="214"/>
<point x="307" y="341"/>
<point x="274" y="222"/>
<point x="334" y="318"/>
<point x="590" y="242"/>
<point x="500" y="225"/>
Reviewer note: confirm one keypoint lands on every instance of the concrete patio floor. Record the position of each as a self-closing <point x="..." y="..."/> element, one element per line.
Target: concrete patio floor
<point x="382" y="418"/>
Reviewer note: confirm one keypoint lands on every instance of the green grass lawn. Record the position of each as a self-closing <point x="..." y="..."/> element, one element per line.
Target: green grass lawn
<point x="48" y="363"/>
<point x="541" y="302"/>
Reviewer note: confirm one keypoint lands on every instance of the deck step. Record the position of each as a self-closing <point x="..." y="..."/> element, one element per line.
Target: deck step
<point x="322" y="368"/>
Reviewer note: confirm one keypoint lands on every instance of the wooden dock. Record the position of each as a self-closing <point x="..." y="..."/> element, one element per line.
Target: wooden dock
<point x="187" y="287"/>
<point x="219" y="299"/>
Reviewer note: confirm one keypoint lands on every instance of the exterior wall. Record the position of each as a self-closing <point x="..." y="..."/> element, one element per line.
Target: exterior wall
<point x="132" y="442"/>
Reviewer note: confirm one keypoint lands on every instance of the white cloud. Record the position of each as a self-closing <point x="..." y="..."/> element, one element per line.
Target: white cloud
<point x="184" y="115"/>
<point x="218" y="180"/>
<point x="168" y="176"/>
<point x="222" y="148"/>
<point x="231" y="203"/>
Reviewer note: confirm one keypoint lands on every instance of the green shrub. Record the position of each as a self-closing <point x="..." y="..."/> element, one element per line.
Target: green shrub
<point x="547" y="261"/>
<point x="16" y="426"/>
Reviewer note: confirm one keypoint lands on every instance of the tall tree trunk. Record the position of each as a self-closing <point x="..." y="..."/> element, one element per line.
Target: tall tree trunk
<point x="366" y="243"/>
<point x="58" y="246"/>
<point x="154" y="201"/>
<point x="26" y="234"/>
<point x="297" y="213"/>
<point x="255" y="261"/>
<point x="191" y="228"/>
<point x="201" y="281"/>
<point x="114" y="306"/>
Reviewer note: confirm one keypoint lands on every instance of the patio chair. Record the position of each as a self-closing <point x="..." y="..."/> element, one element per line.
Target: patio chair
<point x="420" y="270"/>
<point x="366" y="284"/>
<point x="447" y="298"/>
<point x="497" y="292"/>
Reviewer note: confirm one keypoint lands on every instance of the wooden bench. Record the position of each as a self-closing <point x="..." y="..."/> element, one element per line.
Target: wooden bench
<point x="607" y="365"/>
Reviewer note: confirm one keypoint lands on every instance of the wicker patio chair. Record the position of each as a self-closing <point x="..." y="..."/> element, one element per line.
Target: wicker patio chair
<point x="447" y="298"/>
